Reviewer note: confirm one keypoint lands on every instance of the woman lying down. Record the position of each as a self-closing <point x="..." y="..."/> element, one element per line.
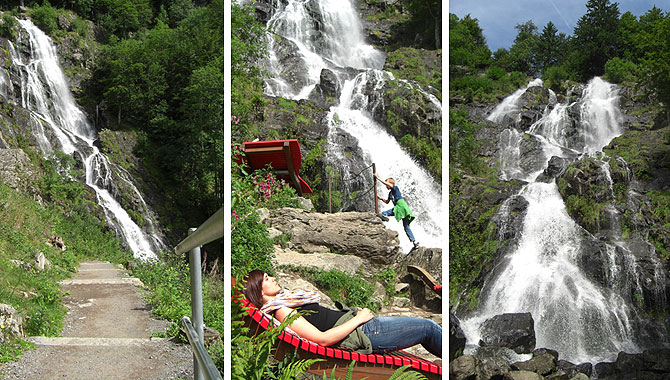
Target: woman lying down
<point x="356" y="330"/>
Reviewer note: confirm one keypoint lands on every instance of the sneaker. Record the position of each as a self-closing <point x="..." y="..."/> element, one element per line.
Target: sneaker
<point x="416" y="243"/>
<point x="383" y="217"/>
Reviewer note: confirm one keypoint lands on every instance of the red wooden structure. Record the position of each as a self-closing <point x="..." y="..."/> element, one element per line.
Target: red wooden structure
<point x="283" y="156"/>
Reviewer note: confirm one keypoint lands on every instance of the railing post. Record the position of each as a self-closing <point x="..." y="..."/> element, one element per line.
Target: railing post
<point x="196" y="301"/>
<point x="374" y="180"/>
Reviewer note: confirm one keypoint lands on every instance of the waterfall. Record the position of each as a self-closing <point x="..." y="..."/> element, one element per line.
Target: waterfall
<point x="59" y="124"/>
<point x="510" y="103"/>
<point x="583" y="321"/>
<point x="327" y="34"/>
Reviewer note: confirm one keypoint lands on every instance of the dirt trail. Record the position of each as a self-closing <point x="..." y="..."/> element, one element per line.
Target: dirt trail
<point x="107" y="335"/>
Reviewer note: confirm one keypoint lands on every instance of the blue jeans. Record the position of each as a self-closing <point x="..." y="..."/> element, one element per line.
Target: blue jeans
<point x="395" y="333"/>
<point x="405" y="224"/>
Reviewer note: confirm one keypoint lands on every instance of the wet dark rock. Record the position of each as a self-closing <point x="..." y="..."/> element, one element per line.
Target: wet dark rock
<point x="327" y="91"/>
<point x="573" y="369"/>
<point x="555" y="168"/>
<point x="651" y="364"/>
<point x="531" y="154"/>
<point x="294" y="70"/>
<point x="513" y="330"/>
<point x="657" y="359"/>
<point x="456" y="337"/>
<point x="543" y="351"/>
<point x="604" y="369"/>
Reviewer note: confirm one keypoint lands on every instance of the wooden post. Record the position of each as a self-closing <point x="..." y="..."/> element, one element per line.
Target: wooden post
<point x="330" y="206"/>
<point x="291" y="170"/>
<point x="374" y="170"/>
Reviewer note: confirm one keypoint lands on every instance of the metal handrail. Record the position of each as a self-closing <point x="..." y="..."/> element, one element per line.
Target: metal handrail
<point x="200" y="352"/>
<point x="209" y="231"/>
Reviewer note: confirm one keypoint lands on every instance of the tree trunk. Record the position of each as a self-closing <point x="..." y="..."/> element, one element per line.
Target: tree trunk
<point x="118" y="118"/>
<point x="438" y="34"/>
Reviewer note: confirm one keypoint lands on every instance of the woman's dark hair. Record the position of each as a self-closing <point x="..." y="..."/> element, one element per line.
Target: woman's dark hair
<point x="253" y="287"/>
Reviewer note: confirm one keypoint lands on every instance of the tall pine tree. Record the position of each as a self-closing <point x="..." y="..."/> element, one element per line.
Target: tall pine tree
<point x="596" y="39"/>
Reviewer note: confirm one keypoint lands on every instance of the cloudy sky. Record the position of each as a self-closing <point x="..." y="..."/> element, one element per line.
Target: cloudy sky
<point x="498" y="17"/>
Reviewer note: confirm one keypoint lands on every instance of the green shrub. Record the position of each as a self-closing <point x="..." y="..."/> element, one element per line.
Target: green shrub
<point x="8" y="26"/>
<point x="555" y="78"/>
<point x="45" y="17"/>
<point x="251" y="246"/>
<point x="496" y="72"/>
<point x="619" y="70"/>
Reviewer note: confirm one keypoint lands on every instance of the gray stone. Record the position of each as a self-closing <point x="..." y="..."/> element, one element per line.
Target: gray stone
<point x="16" y="169"/>
<point x="349" y="233"/>
<point x="463" y="367"/>
<point x="324" y="261"/>
<point x="400" y="301"/>
<point x="41" y="262"/>
<point x="580" y="376"/>
<point x="306" y="204"/>
<point x="542" y="364"/>
<point x="273" y="232"/>
<point x="401" y="287"/>
<point x="524" y="375"/>
<point x="11" y="324"/>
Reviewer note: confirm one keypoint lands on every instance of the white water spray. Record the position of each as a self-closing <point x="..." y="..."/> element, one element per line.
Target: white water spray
<point x="55" y="114"/>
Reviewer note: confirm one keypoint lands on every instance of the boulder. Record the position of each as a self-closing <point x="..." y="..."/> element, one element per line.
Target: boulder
<point x="456" y="337"/>
<point x="351" y="233"/>
<point x="327" y="91"/>
<point x="463" y="368"/>
<point x="41" y="262"/>
<point x="572" y="369"/>
<point x="524" y="375"/>
<point x="542" y="364"/>
<point x="657" y="359"/>
<point x="604" y="369"/>
<point x="11" y="324"/>
<point x="16" y="169"/>
<point x="57" y="242"/>
<point x="555" y="168"/>
<point x="514" y="330"/>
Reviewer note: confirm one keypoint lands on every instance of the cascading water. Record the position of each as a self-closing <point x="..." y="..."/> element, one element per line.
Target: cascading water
<point x="327" y="34"/>
<point x="59" y="124"/>
<point x="583" y="321"/>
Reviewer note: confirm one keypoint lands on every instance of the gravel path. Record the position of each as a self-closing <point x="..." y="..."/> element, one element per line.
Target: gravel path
<point x="107" y="335"/>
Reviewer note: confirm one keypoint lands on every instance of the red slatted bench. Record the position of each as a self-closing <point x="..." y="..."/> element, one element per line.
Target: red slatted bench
<point x="372" y="366"/>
